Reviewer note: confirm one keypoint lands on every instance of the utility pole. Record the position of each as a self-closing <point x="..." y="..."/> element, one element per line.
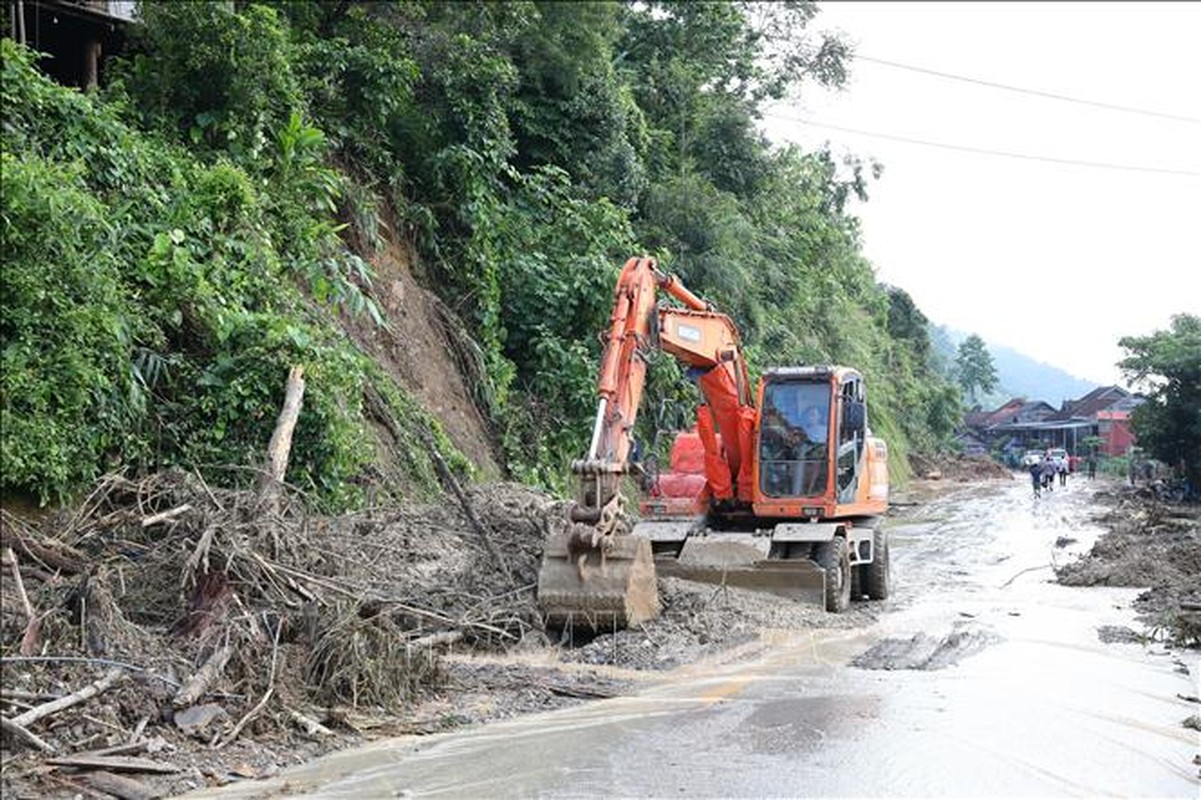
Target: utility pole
<point x="19" y="21"/>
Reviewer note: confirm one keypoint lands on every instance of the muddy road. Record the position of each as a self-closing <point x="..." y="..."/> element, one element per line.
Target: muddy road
<point x="979" y="677"/>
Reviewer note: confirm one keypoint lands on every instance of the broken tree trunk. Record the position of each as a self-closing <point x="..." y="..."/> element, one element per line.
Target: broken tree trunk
<point x="56" y="556"/>
<point x="29" y="641"/>
<point x="120" y="786"/>
<point x="114" y="764"/>
<point x="280" y="446"/>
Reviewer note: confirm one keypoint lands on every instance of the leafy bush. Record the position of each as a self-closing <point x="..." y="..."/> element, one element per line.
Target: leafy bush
<point x="152" y="308"/>
<point x="68" y="330"/>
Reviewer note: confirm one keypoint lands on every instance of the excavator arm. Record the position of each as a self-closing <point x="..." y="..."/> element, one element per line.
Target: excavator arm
<point x="591" y="574"/>
<point x="700" y="338"/>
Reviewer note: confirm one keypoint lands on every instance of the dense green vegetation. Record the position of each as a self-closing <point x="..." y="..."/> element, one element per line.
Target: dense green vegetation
<point x="1168" y="363"/>
<point x="176" y="240"/>
<point x="153" y="303"/>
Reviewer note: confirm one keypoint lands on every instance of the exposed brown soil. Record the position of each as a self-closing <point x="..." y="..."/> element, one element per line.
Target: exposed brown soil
<point x="1153" y="544"/>
<point x="426" y="351"/>
<point x="958" y="468"/>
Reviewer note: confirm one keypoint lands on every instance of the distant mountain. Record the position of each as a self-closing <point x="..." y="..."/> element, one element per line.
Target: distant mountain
<point x="1018" y="375"/>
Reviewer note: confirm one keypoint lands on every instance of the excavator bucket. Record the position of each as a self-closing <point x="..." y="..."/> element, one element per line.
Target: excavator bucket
<point x="732" y="559"/>
<point x="601" y="588"/>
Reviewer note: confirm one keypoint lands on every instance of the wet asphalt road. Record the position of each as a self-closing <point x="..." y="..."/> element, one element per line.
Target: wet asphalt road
<point x="999" y="687"/>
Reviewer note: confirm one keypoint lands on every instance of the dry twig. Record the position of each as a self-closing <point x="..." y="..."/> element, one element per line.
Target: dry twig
<point x="105" y="683"/>
<point x="252" y="713"/>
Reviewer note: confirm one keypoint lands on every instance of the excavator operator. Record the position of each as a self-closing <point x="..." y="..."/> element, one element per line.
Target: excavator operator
<point x="793" y="441"/>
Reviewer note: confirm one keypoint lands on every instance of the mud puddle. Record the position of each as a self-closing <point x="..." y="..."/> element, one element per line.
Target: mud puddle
<point x="922" y="651"/>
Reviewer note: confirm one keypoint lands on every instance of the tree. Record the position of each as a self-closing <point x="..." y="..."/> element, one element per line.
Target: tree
<point x="907" y="322"/>
<point x="1168" y="365"/>
<point x="974" y="367"/>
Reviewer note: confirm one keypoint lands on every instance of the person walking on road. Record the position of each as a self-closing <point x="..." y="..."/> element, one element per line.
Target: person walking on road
<point x="1048" y="470"/>
<point x="1063" y="474"/>
<point x="1036" y="478"/>
<point x="1092" y="467"/>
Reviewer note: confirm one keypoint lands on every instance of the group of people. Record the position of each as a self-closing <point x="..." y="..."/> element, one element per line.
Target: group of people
<point x="1042" y="474"/>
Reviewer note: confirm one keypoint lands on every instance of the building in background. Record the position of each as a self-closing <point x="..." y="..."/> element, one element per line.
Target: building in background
<point x="1021" y="425"/>
<point x="73" y="35"/>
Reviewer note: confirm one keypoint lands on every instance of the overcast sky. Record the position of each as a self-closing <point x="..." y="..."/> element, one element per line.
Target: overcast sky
<point x="1057" y="261"/>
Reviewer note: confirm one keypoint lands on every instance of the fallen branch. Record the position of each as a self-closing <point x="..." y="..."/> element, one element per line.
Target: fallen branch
<point x="166" y="516"/>
<point x="201" y="554"/>
<point x="207" y="490"/>
<point x="120" y="786"/>
<point x="20" y="694"/>
<point x="60" y="557"/>
<point x="10" y="560"/>
<point x="75" y="788"/>
<point x="199" y="684"/>
<point x="116" y="763"/>
<point x="33" y="625"/>
<point x="115" y="750"/>
<point x="105" y="683"/>
<point x="22" y="733"/>
<point x="310" y="726"/>
<point x="1023" y="572"/>
<point x="450" y="481"/>
<point x="400" y="605"/>
<point x="435" y="639"/>
<point x="104" y="662"/>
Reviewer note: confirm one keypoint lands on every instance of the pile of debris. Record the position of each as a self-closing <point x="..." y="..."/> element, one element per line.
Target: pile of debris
<point x="1149" y="543"/>
<point x="164" y="613"/>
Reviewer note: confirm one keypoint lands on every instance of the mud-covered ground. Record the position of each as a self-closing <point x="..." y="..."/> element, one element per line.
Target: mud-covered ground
<point x="398" y="621"/>
<point x="1148" y="543"/>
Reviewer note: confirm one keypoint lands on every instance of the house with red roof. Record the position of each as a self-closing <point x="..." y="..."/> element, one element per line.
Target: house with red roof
<point x="1020" y="425"/>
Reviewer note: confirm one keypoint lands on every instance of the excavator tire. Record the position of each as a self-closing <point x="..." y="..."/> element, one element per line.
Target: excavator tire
<point x="878" y="574"/>
<point x="834" y="557"/>
<point x="582" y="587"/>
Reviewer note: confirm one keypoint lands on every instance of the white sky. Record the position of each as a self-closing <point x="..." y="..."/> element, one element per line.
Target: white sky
<point x="1056" y="261"/>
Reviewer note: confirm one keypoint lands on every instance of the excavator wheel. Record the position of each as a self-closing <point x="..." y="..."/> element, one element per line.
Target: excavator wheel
<point x="878" y="574"/>
<point x="834" y="557"/>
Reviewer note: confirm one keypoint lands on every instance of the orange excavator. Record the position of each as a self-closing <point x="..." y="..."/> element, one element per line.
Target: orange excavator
<point x="777" y="487"/>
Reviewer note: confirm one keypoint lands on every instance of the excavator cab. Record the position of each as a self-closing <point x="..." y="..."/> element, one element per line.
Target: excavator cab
<point x="794" y="438"/>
